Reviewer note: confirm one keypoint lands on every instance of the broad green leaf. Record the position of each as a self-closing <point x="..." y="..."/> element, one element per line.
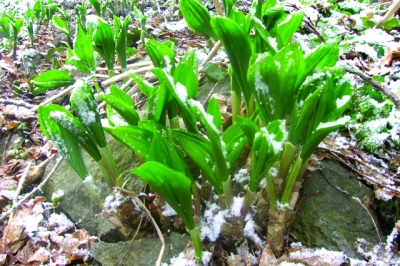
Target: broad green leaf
<point x="197" y="17"/>
<point x="144" y="86"/>
<point x="179" y="93"/>
<point x="172" y="186"/>
<point x="52" y="79"/>
<point x="214" y="110"/>
<point x="207" y="120"/>
<point x="266" y="146"/>
<point x="71" y="124"/>
<point x="135" y="138"/>
<point x="238" y="47"/>
<point x="85" y="106"/>
<point x="66" y="144"/>
<point x="61" y="25"/>
<point x="200" y="151"/>
<point x="121" y="42"/>
<point x="161" y="55"/>
<point x="186" y="73"/>
<point x="319" y="134"/>
<point x="235" y="141"/>
<point x="97" y="6"/>
<point x="287" y="28"/>
<point x="228" y="5"/>
<point x="83" y="49"/>
<point x="249" y="127"/>
<point x="122" y="103"/>
<point x="105" y="43"/>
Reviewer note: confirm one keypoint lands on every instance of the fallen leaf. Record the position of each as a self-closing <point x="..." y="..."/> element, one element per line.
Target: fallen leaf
<point x="12" y="124"/>
<point x="8" y="64"/>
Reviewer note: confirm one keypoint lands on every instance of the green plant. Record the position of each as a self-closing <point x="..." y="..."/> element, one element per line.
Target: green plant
<point x="10" y="27"/>
<point x="29" y="17"/>
<point x="63" y="26"/>
<point x="141" y="18"/>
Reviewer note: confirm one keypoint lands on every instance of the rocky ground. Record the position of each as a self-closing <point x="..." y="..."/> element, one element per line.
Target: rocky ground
<point x="347" y="213"/>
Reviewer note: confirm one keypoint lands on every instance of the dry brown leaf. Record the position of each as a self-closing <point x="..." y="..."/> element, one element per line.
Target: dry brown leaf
<point x="12" y="124"/>
<point x="8" y="64"/>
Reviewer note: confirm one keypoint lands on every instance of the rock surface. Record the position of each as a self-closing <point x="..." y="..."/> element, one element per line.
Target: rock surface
<point x="143" y="252"/>
<point x="77" y="202"/>
<point x="331" y="219"/>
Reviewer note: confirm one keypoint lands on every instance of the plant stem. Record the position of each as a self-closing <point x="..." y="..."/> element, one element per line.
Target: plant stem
<point x="196" y="203"/>
<point x="195" y="236"/>
<point x="248" y="199"/>
<point x="288" y="155"/>
<point x="109" y="168"/>
<point x="236" y="104"/>
<point x="294" y="172"/>
<point x="228" y="194"/>
<point x="271" y="192"/>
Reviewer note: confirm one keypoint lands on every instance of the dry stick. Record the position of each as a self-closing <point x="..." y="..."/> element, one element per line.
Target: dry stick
<point x="36" y="189"/>
<point x="370" y="216"/>
<point x="356" y="200"/>
<point x="298" y="207"/>
<point x="5" y="149"/>
<point x="130" y="244"/>
<point x="211" y="93"/>
<point x="382" y="88"/>
<point x="20" y="186"/>
<point x="212" y="53"/>
<point x="51" y="99"/>
<point x="393" y="8"/>
<point x="131" y="66"/>
<point x="119" y="77"/>
<point x="368" y="178"/>
<point x="218" y="7"/>
<point x="148" y="214"/>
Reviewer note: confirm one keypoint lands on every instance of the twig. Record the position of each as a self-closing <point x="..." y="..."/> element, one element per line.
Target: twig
<point x="382" y="88"/>
<point x="211" y="93"/>
<point x="4" y="160"/>
<point x="131" y="66"/>
<point x="148" y="214"/>
<point x="212" y="53"/>
<point x="393" y="8"/>
<point x="20" y="185"/>
<point x="16" y="102"/>
<point x="130" y="244"/>
<point x="370" y="216"/>
<point x="119" y="77"/>
<point x="218" y="7"/>
<point x="51" y="99"/>
<point x="298" y="207"/>
<point x="36" y="189"/>
<point x="355" y="199"/>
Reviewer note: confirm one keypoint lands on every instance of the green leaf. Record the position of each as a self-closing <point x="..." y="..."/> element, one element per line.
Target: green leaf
<point x="66" y="144"/>
<point x="121" y="42"/>
<point x="200" y="151"/>
<point x="122" y="103"/>
<point x="238" y="47"/>
<point x="85" y="106"/>
<point x="135" y="138"/>
<point x="71" y="124"/>
<point x="83" y="49"/>
<point x="105" y="43"/>
<point x="52" y="79"/>
<point x="143" y="84"/>
<point x="161" y="55"/>
<point x="214" y="110"/>
<point x="172" y="186"/>
<point x="97" y="6"/>
<point x="287" y="28"/>
<point x="197" y="17"/>
<point x="186" y="73"/>
<point x="61" y="25"/>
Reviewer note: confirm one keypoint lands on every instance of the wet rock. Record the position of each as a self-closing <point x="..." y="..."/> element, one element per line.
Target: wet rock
<point x="143" y="251"/>
<point x="77" y="202"/>
<point x="332" y="219"/>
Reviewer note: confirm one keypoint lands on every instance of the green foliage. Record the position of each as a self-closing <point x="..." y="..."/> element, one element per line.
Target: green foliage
<point x="52" y="79"/>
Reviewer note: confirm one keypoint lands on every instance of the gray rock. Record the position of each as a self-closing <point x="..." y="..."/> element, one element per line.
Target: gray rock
<point x="143" y="251"/>
<point x="331" y="219"/>
<point x="77" y="202"/>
